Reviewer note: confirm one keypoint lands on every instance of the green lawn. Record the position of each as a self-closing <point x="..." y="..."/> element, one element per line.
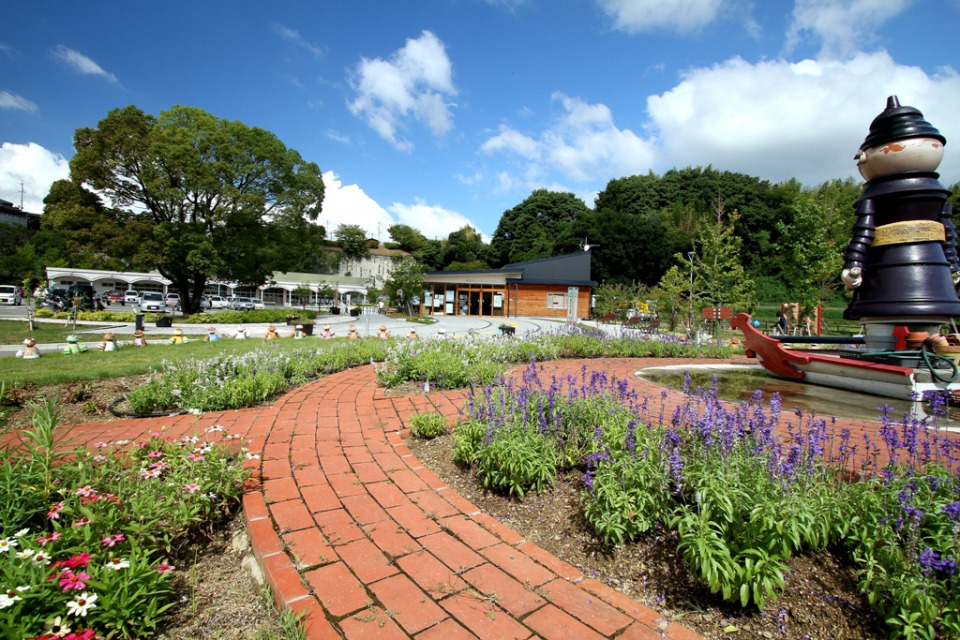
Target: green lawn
<point x="55" y="368"/>
<point x="14" y="331"/>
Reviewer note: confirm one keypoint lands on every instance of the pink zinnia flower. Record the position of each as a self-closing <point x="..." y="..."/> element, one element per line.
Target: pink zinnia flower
<point x="195" y="457"/>
<point x="111" y="540"/>
<point x="79" y="560"/>
<point x="193" y="487"/>
<point x="54" y="512"/>
<point x="165" y="567"/>
<point x="70" y="580"/>
<point x="156" y="453"/>
<point x="43" y="540"/>
<point x="82" y="634"/>
<point x="81" y="523"/>
<point x="86" y="491"/>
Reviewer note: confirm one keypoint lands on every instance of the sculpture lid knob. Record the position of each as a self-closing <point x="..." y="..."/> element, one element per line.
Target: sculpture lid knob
<point x="899" y="123"/>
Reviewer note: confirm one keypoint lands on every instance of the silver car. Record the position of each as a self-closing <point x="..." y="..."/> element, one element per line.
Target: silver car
<point x="243" y="304"/>
<point x="152" y="301"/>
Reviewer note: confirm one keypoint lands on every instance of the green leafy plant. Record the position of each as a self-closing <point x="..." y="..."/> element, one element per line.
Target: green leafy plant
<point x="428" y="425"/>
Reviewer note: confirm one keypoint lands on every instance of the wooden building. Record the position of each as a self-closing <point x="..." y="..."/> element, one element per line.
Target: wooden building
<point x="557" y="287"/>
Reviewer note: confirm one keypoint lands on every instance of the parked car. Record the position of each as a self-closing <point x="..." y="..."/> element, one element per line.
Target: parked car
<point x="219" y="302"/>
<point x="264" y="304"/>
<point x="152" y="301"/>
<point x="243" y="304"/>
<point x="172" y="299"/>
<point x="131" y="296"/>
<point x="10" y="294"/>
<point x="114" y="296"/>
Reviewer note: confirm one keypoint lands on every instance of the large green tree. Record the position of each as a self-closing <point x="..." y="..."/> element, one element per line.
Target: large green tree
<point x="225" y="200"/>
<point x="533" y="228"/>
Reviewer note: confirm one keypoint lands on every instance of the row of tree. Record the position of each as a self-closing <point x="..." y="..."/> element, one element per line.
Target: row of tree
<point x="196" y="197"/>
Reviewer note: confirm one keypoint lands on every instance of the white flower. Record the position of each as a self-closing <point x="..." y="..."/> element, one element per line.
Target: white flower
<point x="24" y="554"/>
<point x="40" y="557"/>
<point x="251" y="456"/>
<point x="117" y="563"/>
<point x="216" y="427"/>
<point x="7" y="598"/>
<point x="81" y="604"/>
<point x="21" y="533"/>
<point x="7" y="543"/>
<point x="122" y="442"/>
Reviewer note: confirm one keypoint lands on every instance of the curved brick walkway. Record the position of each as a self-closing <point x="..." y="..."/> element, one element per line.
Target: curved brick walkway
<point x="350" y="528"/>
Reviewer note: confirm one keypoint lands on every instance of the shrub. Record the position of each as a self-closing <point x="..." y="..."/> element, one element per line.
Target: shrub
<point x="428" y="425"/>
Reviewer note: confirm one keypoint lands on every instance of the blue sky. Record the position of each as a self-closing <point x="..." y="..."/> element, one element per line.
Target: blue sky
<point x="440" y="113"/>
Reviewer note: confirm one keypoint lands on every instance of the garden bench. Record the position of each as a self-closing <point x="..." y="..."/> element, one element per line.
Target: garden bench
<point x="610" y="317"/>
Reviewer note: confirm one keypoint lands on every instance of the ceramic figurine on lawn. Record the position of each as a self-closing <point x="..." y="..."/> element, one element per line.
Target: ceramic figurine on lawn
<point x="138" y="339"/>
<point x="271" y="333"/>
<point x="178" y="337"/>
<point x="73" y="346"/>
<point x="326" y="334"/>
<point x="29" y="350"/>
<point x="212" y="335"/>
<point x="109" y="342"/>
<point x="298" y="333"/>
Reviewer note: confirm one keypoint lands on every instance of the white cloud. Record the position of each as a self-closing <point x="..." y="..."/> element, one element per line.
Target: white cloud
<point x="33" y="166"/>
<point x="433" y="221"/>
<point x="780" y="119"/>
<point x="583" y="144"/>
<point x="682" y="16"/>
<point x="413" y="85"/>
<point x="348" y="204"/>
<point x="13" y="101"/>
<point x="82" y="63"/>
<point x="293" y="36"/>
<point x="843" y="27"/>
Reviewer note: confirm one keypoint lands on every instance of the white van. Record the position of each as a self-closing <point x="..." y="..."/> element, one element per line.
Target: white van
<point x="10" y="294"/>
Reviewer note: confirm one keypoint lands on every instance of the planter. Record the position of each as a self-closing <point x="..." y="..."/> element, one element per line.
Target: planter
<point x="356" y="311"/>
<point x="508" y="331"/>
<point x="165" y="321"/>
<point x="308" y="328"/>
<point x="293" y="321"/>
<point x="334" y="311"/>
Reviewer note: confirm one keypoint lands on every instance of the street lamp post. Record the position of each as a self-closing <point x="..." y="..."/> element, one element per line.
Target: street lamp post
<point x="691" y="255"/>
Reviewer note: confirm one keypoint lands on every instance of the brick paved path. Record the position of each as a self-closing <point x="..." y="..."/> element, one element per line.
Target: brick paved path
<point x="349" y="527"/>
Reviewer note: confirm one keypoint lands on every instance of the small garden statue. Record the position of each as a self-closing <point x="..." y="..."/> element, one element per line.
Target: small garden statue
<point x="326" y="334"/>
<point x="29" y="350"/>
<point x="271" y="333"/>
<point x="138" y="339"/>
<point x="413" y="334"/>
<point x="352" y="335"/>
<point x="212" y="335"/>
<point x="382" y="333"/>
<point x="73" y="346"/>
<point x="241" y="334"/>
<point x="109" y="342"/>
<point x="178" y="337"/>
<point x="298" y="333"/>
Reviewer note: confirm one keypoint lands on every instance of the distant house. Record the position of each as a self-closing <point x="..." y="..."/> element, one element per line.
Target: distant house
<point x="10" y="214"/>
<point x="557" y="287"/>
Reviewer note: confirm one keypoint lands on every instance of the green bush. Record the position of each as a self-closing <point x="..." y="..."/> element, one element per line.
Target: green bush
<point x="428" y="425"/>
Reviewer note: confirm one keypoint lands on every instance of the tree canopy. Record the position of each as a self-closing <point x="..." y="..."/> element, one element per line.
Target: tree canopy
<point x="223" y="200"/>
<point x="534" y="228"/>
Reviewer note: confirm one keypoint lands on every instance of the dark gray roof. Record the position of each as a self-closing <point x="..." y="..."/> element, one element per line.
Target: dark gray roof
<point x="571" y="269"/>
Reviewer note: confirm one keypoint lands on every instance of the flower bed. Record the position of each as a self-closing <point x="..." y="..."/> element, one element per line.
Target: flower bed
<point x="88" y="539"/>
<point x="741" y="490"/>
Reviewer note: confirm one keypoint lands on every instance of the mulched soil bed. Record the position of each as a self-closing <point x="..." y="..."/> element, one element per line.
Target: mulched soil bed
<point x="820" y="601"/>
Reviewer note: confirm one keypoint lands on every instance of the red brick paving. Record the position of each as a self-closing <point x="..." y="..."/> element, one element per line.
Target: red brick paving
<point x="351" y="529"/>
